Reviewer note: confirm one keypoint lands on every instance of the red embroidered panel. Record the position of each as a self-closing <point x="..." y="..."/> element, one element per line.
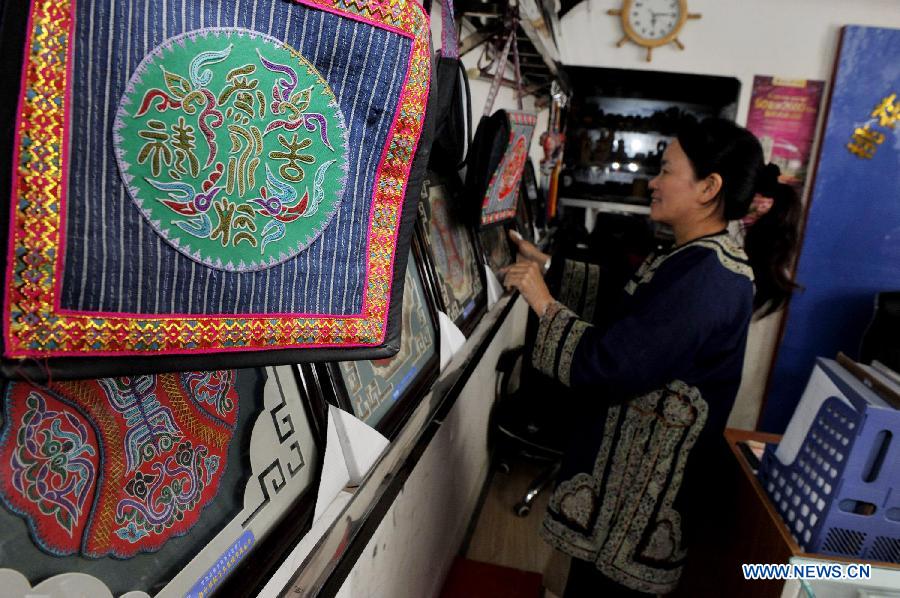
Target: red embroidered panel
<point x="115" y="466"/>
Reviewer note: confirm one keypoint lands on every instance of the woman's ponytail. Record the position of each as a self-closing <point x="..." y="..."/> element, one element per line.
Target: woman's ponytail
<point x="716" y="145"/>
<point x="771" y="243"/>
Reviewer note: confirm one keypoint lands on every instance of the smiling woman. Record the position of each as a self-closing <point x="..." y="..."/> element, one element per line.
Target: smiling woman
<point x="682" y="201"/>
<point x="658" y="382"/>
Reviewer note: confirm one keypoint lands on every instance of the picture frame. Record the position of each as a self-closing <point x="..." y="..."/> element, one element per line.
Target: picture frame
<point x="260" y="509"/>
<point x="533" y="196"/>
<point x="525" y="217"/>
<point x="382" y="393"/>
<point x="496" y="247"/>
<point x="450" y="253"/>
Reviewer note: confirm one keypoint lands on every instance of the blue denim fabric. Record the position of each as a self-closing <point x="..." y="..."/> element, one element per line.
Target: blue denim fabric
<point x="115" y="261"/>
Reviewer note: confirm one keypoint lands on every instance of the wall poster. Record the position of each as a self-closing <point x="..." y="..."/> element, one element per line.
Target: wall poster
<point x="783" y="115"/>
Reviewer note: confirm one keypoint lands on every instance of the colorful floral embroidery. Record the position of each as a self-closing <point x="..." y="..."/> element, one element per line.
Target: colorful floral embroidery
<point x="620" y="516"/>
<point x="233" y="147"/>
<point x="36" y="327"/>
<point x="55" y="463"/>
<point x="140" y="455"/>
<point x="500" y="199"/>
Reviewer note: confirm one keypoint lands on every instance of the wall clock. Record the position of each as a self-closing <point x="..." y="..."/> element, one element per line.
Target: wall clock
<point x="652" y="23"/>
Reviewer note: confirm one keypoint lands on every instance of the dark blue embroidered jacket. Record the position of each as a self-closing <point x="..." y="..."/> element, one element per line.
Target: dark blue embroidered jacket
<point x="658" y="383"/>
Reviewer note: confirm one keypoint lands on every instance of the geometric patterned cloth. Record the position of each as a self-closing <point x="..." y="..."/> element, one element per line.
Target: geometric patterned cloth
<point x="198" y="176"/>
<point x="115" y="466"/>
<point x="503" y="190"/>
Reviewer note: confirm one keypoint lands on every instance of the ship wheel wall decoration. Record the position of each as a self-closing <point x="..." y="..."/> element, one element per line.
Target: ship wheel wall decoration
<point x="652" y="23"/>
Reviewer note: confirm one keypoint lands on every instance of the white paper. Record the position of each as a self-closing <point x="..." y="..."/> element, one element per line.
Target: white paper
<point x="818" y="390"/>
<point x="361" y="444"/>
<point x="335" y="475"/>
<point x="494" y="288"/>
<point x="291" y="564"/>
<point x="452" y="339"/>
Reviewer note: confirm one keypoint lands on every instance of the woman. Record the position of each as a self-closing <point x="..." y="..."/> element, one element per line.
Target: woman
<point x="658" y="381"/>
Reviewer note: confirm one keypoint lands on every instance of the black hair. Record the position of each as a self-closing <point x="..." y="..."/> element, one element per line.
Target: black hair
<point x="716" y="145"/>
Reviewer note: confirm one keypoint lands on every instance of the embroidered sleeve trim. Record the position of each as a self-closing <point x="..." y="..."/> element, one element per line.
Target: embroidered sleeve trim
<point x="579" y="327"/>
<point x="540" y="348"/>
<point x="590" y="294"/>
<point x="573" y="283"/>
<point x="546" y="345"/>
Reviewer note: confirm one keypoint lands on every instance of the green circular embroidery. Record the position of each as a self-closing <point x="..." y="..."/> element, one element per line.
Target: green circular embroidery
<point x="233" y="147"/>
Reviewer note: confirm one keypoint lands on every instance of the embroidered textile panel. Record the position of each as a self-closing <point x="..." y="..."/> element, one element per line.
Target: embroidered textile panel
<point x="503" y="190"/>
<point x="273" y="460"/>
<point x="228" y="155"/>
<point x="450" y="245"/>
<point x="146" y="469"/>
<point x="375" y="387"/>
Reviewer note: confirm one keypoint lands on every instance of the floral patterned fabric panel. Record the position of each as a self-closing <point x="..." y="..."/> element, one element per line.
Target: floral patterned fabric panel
<point x="115" y="466"/>
<point x="199" y="176"/>
<point x="459" y="279"/>
<point x="375" y="386"/>
<point x="503" y="190"/>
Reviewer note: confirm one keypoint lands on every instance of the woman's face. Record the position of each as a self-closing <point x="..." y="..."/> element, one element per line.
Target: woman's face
<point x="677" y="196"/>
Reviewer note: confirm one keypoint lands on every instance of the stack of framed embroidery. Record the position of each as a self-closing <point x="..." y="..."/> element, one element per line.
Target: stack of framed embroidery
<point x="383" y="392"/>
<point x="200" y="194"/>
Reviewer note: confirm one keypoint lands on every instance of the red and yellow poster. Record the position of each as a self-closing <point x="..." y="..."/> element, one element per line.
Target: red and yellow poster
<point x="783" y="114"/>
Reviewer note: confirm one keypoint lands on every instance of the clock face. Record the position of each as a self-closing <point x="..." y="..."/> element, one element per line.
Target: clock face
<point x="654" y="20"/>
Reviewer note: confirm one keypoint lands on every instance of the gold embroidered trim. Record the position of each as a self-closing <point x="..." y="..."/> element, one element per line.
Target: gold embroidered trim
<point x="590" y="295"/>
<point x="639" y="465"/>
<point x="540" y="346"/>
<point x="729" y="254"/>
<point x="573" y="284"/>
<point x="553" y="340"/>
<point x="568" y="351"/>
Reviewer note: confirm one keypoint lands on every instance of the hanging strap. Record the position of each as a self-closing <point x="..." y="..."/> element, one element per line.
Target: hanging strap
<point x="498" y="74"/>
<point x="515" y="48"/>
<point x="449" y="37"/>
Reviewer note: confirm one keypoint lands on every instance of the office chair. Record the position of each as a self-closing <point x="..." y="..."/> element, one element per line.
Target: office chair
<point x="527" y="423"/>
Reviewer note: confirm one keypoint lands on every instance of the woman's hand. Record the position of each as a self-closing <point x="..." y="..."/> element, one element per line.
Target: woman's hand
<point x="528" y="250"/>
<point x="528" y="278"/>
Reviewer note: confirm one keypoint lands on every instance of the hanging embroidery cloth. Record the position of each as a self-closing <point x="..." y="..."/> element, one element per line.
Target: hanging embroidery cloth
<point x="115" y="466"/>
<point x="198" y="184"/>
<point x="453" y="104"/>
<point x="500" y="147"/>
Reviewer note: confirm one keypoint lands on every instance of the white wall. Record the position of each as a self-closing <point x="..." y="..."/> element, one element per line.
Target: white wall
<point x="738" y="38"/>
<point x="412" y="550"/>
<point x="795" y="39"/>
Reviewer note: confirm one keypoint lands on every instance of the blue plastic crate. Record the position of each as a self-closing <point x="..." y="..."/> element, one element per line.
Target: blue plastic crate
<point x="841" y="494"/>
